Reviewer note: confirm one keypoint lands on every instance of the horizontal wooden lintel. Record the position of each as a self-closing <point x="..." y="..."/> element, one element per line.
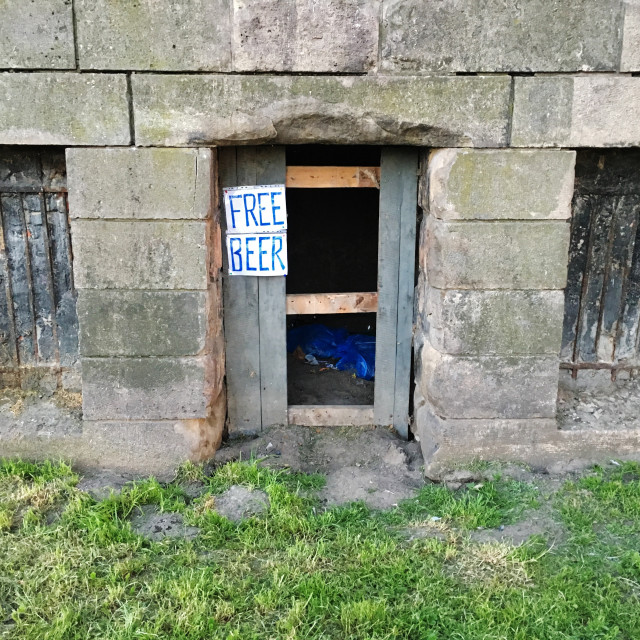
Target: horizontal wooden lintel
<point x="299" y="304"/>
<point x="330" y="415"/>
<point x="332" y="177"/>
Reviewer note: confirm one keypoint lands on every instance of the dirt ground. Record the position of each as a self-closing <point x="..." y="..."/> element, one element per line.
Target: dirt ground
<point x="360" y="463"/>
<point x="315" y="384"/>
<point x="614" y="407"/>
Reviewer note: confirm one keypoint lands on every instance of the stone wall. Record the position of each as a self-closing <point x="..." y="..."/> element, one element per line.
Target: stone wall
<point x="435" y="74"/>
<point x="151" y="342"/>
<point x="490" y="300"/>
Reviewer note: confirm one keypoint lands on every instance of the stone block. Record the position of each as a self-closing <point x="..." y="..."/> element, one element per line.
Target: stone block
<point x="630" y="58"/>
<point x="36" y="35"/>
<point x="505" y="35"/>
<point x="191" y="35"/>
<point x="144" y="388"/>
<point x="140" y="183"/>
<point x="446" y="443"/>
<point x="507" y="387"/>
<point x="298" y="35"/>
<point x="141" y="323"/>
<point x="153" y="448"/>
<point x="186" y="110"/>
<point x="118" y="254"/>
<point x="490" y="184"/>
<point x="64" y="109"/>
<point x="580" y="111"/>
<point x="495" y="255"/>
<point x="460" y="322"/>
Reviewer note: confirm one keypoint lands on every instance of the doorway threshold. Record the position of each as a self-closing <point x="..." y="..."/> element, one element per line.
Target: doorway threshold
<point x="330" y="415"/>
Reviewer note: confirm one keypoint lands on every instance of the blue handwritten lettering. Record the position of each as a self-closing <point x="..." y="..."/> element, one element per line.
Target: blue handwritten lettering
<point x="250" y="210"/>
<point x="249" y="252"/>
<point x="233" y="211"/>
<point x="274" y="208"/>
<point x="276" y="254"/>
<point x="262" y="252"/>
<point x="237" y="252"/>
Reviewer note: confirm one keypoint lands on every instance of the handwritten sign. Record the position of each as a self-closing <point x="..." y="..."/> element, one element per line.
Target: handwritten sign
<point x="256" y="209"/>
<point x="256" y="230"/>
<point x="260" y="254"/>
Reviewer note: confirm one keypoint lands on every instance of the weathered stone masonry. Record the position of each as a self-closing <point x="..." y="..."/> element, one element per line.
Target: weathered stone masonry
<point x="502" y="93"/>
<point x="148" y="302"/>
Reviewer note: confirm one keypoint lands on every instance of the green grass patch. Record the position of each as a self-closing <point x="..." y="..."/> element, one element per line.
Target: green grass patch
<point x="72" y="568"/>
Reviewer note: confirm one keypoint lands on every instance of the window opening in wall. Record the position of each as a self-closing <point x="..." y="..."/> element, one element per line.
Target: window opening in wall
<point x="333" y="215"/>
<point x="600" y="383"/>
<point x="38" y="320"/>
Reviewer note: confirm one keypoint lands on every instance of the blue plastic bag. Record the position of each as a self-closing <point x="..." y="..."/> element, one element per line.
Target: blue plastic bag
<point x="358" y="352"/>
<point x="354" y="352"/>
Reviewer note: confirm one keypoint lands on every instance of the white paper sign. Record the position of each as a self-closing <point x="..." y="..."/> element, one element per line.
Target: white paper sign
<point x="257" y="254"/>
<point x="261" y="209"/>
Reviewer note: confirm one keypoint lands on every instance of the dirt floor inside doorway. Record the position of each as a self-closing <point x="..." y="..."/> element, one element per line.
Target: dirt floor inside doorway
<point x="318" y="384"/>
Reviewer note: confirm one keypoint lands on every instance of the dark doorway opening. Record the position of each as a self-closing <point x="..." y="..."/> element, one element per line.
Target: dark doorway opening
<point x="333" y="249"/>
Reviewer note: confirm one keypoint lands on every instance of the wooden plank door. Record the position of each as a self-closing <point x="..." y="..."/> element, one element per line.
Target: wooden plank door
<point x="254" y="312"/>
<point x="396" y="266"/>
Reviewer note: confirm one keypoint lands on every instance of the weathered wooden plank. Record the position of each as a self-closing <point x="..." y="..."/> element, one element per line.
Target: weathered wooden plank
<point x="578" y="253"/>
<point x="241" y="314"/>
<point x="41" y="277"/>
<point x="328" y="415"/>
<point x="332" y="177"/>
<point x="624" y="223"/>
<point x="598" y="253"/>
<point x="271" y="169"/>
<point x="322" y="303"/>
<point x="629" y="334"/>
<point x="8" y="351"/>
<point x="20" y="277"/>
<point x="64" y="295"/>
<point x="407" y="162"/>
<point x="391" y="192"/>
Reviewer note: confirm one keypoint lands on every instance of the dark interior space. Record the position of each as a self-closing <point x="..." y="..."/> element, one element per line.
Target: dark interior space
<point x="321" y="384"/>
<point x="332" y="240"/>
<point x="333" y="248"/>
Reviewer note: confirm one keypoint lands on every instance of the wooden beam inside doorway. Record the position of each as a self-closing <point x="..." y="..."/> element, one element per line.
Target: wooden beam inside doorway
<point x="332" y="177"/>
<point x="318" y="303"/>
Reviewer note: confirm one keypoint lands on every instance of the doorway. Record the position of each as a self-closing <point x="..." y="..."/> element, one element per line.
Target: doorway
<point x="352" y="225"/>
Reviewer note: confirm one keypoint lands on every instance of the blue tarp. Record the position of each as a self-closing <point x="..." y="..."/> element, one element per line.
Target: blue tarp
<point x="353" y="351"/>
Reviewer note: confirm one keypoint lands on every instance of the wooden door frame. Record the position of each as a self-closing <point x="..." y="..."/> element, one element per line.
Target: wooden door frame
<point x="255" y="307"/>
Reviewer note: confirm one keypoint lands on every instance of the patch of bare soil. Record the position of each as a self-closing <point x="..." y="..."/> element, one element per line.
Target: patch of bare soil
<point x="238" y="502"/>
<point x="360" y="463"/>
<point x="150" y="523"/>
<point x="613" y="408"/>
<point x="101" y="483"/>
<point x="538" y="522"/>
<point x="318" y="384"/>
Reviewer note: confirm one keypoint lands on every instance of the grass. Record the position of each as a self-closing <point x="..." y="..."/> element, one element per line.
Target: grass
<point x="71" y="567"/>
